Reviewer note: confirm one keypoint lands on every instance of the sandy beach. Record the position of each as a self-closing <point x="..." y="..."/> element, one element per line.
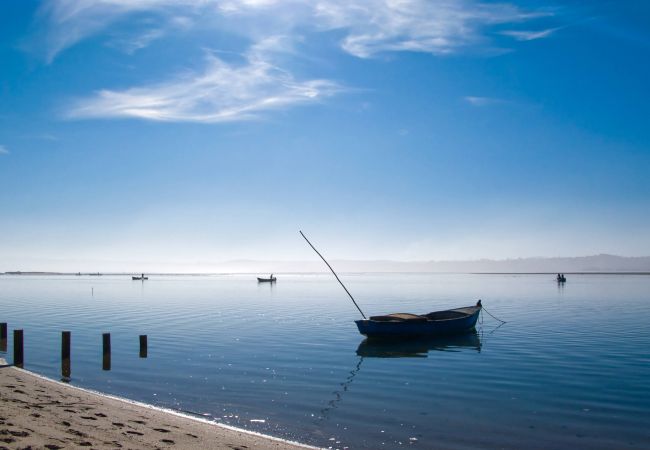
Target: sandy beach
<point x="38" y="413"/>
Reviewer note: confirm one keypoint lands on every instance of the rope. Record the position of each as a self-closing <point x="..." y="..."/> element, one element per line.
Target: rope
<point x="491" y="315"/>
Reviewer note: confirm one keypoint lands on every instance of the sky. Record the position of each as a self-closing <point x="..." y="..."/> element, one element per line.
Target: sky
<point x="167" y="134"/>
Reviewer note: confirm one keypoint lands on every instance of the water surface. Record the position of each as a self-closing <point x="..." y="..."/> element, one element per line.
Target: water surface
<point x="570" y="369"/>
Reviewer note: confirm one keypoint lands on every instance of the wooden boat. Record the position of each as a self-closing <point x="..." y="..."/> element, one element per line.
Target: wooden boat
<point x="266" y="280"/>
<point x="437" y="323"/>
<point x="140" y="278"/>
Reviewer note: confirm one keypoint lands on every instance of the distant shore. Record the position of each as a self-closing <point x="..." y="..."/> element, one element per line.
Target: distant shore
<point x="162" y="274"/>
<point x="601" y="263"/>
<point x="40" y="413"/>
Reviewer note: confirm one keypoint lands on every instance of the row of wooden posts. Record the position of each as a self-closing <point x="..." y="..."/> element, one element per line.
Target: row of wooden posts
<point x="19" y="354"/>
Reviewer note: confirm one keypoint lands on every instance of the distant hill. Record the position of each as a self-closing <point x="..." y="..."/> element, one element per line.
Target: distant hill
<point x="589" y="264"/>
<point x="597" y="263"/>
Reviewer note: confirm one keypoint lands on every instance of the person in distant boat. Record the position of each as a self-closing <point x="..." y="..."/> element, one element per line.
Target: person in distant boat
<point x="143" y="276"/>
<point x="271" y="277"/>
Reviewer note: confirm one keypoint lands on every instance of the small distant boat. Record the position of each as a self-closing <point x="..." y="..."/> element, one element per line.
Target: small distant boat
<point x="267" y="280"/>
<point x="561" y="278"/>
<point x="141" y="277"/>
<point x="437" y="323"/>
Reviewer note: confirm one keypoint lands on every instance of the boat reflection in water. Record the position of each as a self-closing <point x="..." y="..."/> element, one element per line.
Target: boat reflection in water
<point x="399" y="348"/>
<point x="417" y="348"/>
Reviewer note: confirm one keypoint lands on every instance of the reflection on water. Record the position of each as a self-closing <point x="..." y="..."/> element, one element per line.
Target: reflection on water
<point x="338" y="394"/>
<point x="417" y="348"/>
<point x="400" y="348"/>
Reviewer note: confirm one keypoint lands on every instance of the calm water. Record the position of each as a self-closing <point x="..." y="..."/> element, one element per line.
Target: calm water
<point x="570" y="369"/>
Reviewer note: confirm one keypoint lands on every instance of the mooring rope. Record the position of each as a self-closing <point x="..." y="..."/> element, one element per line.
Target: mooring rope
<point x="492" y="315"/>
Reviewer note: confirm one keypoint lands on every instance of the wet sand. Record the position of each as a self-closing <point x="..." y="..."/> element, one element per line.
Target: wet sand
<point x="38" y="413"/>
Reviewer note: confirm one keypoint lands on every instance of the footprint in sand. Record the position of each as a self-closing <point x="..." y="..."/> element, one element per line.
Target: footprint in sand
<point x="141" y="422"/>
<point x="161" y="430"/>
<point x="89" y="417"/>
<point x="35" y="415"/>
<point x="192" y="435"/>
<point x="52" y="447"/>
<point x="85" y="444"/>
<point x="118" y="424"/>
<point x="70" y="411"/>
<point x="135" y="432"/>
<point x="76" y="433"/>
<point x="66" y="423"/>
<point x="100" y="415"/>
<point x="19" y="433"/>
<point x="167" y="441"/>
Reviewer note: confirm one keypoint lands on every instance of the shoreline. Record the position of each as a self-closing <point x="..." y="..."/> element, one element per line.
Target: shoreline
<point x="49" y="414"/>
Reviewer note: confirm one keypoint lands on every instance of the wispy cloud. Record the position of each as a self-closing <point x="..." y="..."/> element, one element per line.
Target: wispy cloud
<point x="482" y="101"/>
<point x="440" y="27"/>
<point x="67" y="22"/>
<point x="520" y="35"/>
<point x="132" y="44"/>
<point x="222" y="92"/>
<point x="369" y="27"/>
<point x="43" y="137"/>
<point x="3" y="150"/>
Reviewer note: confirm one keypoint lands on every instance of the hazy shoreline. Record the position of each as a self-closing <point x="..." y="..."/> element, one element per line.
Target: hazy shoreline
<point x="595" y="264"/>
<point x="168" y="274"/>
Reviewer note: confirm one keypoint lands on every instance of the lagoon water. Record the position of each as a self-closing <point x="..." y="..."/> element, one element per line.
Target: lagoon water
<point x="570" y="369"/>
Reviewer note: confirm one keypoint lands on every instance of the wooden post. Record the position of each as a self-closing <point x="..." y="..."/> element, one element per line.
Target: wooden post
<point x="18" y="348"/>
<point x="143" y="346"/>
<point x="65" y="355"/>
<point x="106" y="359"/>
<point x="3" y="337"/>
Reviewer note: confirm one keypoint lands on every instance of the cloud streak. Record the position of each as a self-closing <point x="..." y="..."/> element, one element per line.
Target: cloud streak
<point x="441" y="27"/>
<point x="369" y="27"/>
<point x="221" y="93"/>
<point x="520" y="35"/>
<point x="482" y="101"/>
<point x="3" y="150"/>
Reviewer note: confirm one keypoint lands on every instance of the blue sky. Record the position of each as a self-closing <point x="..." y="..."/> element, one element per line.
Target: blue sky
<point x="175" y="133"/>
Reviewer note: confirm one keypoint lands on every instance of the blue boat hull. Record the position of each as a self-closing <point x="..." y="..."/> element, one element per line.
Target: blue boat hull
<point x="466" y="321"/>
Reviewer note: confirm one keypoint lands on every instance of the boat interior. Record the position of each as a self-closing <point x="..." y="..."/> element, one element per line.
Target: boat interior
<point x="436" y="315"/>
